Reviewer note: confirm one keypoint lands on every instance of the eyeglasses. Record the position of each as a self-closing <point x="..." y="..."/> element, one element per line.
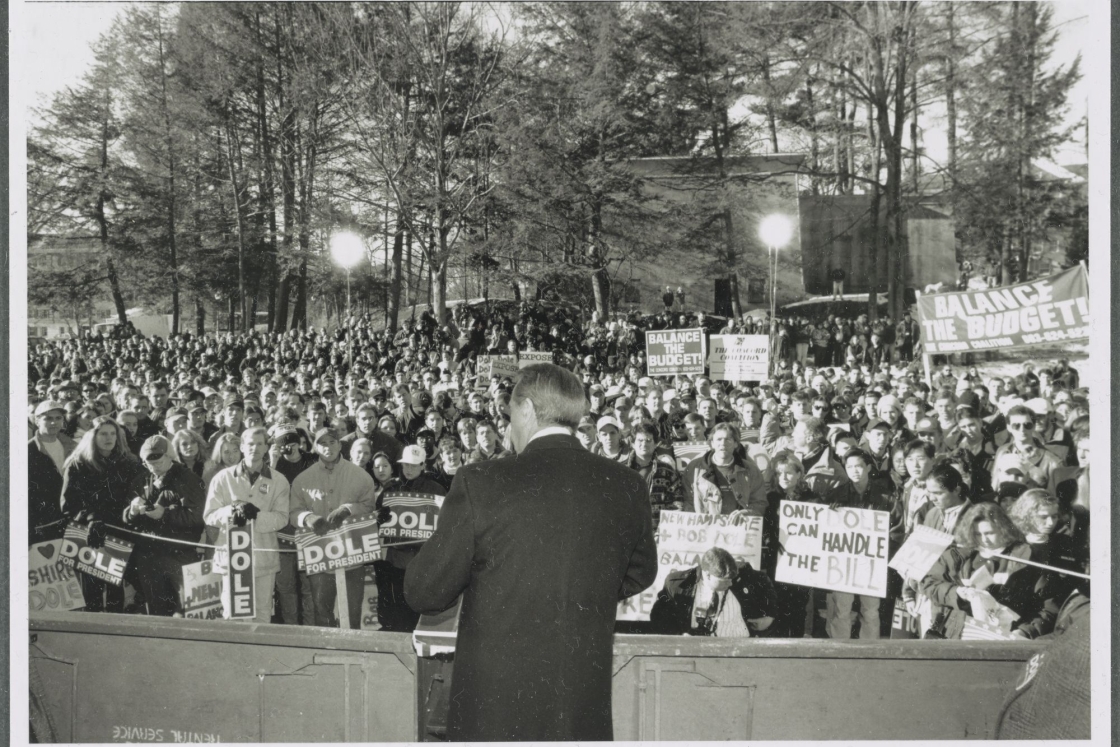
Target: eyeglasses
<point x="1021" y="426"/>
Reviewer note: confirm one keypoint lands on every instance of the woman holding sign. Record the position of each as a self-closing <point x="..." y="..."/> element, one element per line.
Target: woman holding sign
<point x="95" y="490"/>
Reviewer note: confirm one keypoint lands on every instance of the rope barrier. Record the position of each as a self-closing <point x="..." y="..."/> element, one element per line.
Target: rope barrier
<point x="1039" y="565"/>
<point x="168" y="539"/>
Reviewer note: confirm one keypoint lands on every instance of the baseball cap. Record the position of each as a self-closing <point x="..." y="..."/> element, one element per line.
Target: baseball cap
<point x="645" y="382"/>
<point x="412" y="455"/>
<point x="323" y="433"/>
<point x="233" y="400"/>
<point x="175" y="413"/>
<point x="878" y="423"/>
<point x="195" y="407"/>
<point x="586" y="422"/>
<point x="154" y="448"/>
<point x="888" y="400"/>
<point x="47" y="406"/>
<point x="1038" y="405"/>
<point x="608" y="420"/>
<point x="284" y="434"/>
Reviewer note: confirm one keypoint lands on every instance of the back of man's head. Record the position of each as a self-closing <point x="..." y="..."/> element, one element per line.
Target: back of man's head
<point x="556" y="394"/>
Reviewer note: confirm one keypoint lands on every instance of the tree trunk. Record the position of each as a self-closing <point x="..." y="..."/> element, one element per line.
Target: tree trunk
<point x="771" y="120"/>
<point x="951" y="96"/>
<point x="239" y="223"/>
<point x="267" y="189"/>
<point x="394" y="308"/>
<point x="171" y="206"/>
<point x="199" y="316"/>
<point x="103" y="222"/>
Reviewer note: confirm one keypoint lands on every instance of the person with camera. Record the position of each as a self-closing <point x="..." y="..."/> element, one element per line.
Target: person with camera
<point x="717" y="598"/>
<point x="250" y="492"/>
<point x="167" y="502"/>
<point x="323" y="496"/>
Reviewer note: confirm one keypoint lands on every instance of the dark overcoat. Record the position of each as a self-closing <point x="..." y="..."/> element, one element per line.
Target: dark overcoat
<point x="543" y="545"/>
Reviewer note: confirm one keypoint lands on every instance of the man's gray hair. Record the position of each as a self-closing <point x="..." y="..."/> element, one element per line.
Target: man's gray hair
<point x="556" y="393"/>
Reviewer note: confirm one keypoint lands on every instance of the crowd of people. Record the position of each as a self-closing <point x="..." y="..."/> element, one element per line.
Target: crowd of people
<point x="177" y="439"/>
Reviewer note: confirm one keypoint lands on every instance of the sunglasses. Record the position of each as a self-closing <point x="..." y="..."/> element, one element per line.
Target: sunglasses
<point x="1021" y="426"/>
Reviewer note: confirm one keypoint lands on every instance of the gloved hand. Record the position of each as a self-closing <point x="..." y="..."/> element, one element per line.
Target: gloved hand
<point x="319" y="525"/>
<point x="167" y="498"/>
<point x="96" y="534"/>
<point x="384" y="516"/>
<point x="336" y="517"/>
<point x="249" y="511"/>
<point x="237" y="515"/>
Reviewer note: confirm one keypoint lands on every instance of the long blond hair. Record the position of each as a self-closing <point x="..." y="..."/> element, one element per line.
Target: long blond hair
<point x="86" y="451"/>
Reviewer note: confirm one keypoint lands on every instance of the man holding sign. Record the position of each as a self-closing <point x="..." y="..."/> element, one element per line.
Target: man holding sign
<point x="249" y="493"/>
<point x="323" y="496"/>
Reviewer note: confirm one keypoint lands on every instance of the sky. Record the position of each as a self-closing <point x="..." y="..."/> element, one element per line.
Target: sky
<point x="59" y="34"/>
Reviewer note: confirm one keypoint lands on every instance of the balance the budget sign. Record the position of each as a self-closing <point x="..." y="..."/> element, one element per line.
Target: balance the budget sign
<point x="1047" y="310"/>
<point x="682" y="538"/>
<point x="52" y="585"/>
<point x="353" y="544"/>
<point x="739" y="357"/>
<point x="674" y="351"/>
<point x="413" y="518"/>
<point x="202" y="591"/>
<point x="107" y="562"/>
<point x="840" y="550"/>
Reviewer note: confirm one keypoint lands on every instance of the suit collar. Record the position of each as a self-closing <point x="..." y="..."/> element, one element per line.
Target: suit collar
<point x="553" y="441"/>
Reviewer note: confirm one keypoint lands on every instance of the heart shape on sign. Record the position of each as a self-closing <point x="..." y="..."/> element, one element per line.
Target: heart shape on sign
<point x="47" y="551"/>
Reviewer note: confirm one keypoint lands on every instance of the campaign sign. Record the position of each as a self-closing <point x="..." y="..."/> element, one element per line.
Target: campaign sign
<point x="920" y="551"/>
<point x="351" y="545"/>
<point x="739" y="357"/>
<point x="686" y="451"/>
<point x="202" y="591"/>
<point x="682" y="538"/>
<point x="526" y="358"/>
<point x="841" y="550"/>
<point x="51" y="584"/>
<point x="242" y="590"/>
<point x="904" y="625"/>
<point x="369" y="599"/>
<point x="1046" y="310"/>
<point x="107" y="562"/>
<point x="413" y="518"/>
<point x="674" y="351"/>
<point x="493" y="365"/>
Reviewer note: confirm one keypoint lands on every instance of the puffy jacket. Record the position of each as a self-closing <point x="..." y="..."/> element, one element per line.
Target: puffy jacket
<point x="703" y="481"/>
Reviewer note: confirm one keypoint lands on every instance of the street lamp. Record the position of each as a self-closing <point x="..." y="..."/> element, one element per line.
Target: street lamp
<point x="776" y="231"/>
<point x="347" y="249"/>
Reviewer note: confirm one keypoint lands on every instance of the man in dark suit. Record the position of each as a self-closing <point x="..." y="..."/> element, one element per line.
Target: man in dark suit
<point x="542" y="546"/>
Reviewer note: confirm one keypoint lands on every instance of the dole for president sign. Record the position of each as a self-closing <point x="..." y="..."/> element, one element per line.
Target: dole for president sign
<point x="413" y="518"/>
<point x="674" y="351"/>
<point x="107" y="562"/>
<point x="1047" y="310"/>
<point x="353" y="544"/>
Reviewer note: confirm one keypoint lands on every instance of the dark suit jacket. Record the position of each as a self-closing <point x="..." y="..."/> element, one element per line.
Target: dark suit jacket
<point x="542" y="545"/>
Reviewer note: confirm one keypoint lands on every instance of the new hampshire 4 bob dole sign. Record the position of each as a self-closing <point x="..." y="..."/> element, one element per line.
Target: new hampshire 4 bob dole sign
<point x="1051" y="309"/>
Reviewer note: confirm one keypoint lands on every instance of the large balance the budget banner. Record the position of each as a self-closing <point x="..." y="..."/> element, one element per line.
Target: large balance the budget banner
<point x="1045" y="310"/>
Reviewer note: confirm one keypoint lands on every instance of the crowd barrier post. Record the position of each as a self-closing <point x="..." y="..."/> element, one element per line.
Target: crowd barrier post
<point x="342" y="598"/>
